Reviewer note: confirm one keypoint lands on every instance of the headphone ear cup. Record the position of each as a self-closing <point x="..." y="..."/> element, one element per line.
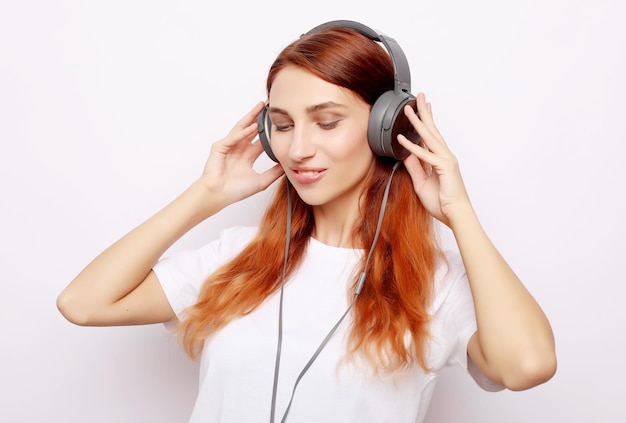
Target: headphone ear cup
<point x="387" y="120"/>
<point x="264" y="128"/>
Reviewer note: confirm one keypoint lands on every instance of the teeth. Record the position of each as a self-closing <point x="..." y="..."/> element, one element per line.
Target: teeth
<point x="308" y="172"/>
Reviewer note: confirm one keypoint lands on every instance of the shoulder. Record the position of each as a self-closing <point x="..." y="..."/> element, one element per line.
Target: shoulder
<point x="206" y="258"/>
<point x="449" y="268"/>
<point x="182" y="274"/>
<point x="236" y="237"/>
<point x="230" y="242"/>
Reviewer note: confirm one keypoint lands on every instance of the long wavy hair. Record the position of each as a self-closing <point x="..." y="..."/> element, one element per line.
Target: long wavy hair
<point x="389" y="318"/>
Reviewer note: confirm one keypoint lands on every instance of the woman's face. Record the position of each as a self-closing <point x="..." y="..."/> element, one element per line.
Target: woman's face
<point x="319" y="136"/>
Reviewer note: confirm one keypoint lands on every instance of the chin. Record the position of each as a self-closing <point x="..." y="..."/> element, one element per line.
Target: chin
<point x="311" y="199"/>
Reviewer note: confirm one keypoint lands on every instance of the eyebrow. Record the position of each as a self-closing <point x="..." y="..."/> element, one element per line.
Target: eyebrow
<point x="310" y="109"/>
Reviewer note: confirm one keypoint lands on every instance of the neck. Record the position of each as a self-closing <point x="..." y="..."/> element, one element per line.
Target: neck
<point x="334" y="226"/>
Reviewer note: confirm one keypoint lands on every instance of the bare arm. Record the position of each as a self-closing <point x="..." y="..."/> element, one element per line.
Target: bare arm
<point x="118" y="287"/>
<point x="514" y="344"/>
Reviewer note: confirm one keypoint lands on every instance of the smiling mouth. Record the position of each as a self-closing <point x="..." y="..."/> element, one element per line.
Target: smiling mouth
<point x="308" y="176"/>
<point x="308" y="173"/>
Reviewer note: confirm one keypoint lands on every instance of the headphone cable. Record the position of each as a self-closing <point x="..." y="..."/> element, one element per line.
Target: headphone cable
<point x="359" y="287"/>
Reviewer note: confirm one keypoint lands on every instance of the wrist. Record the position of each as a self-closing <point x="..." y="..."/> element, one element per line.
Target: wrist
<point x="462" y="216"/>
<point x="205" y="201"/>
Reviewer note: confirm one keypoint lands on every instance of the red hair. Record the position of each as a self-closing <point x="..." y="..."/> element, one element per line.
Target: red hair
<point x="393" y="302"/>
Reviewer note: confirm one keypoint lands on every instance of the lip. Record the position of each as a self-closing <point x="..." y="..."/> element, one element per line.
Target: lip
<point x="307" y="175"/>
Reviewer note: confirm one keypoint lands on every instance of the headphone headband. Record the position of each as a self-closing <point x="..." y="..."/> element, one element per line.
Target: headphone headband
<point x="401" y="73"/>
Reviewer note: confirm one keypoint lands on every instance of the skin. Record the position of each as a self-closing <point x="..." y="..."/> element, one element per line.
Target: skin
<point x="320" y="136"/>
<point x="514" y="344"/>
<point x="320" y="140"/>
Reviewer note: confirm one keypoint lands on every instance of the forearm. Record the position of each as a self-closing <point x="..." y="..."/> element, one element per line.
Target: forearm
<point x="120" y="268"/>
<point x="514" y="336"/>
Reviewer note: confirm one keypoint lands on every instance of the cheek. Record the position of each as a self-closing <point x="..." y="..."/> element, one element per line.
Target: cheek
<point x="352" y="144"/>
<point x="279" y="144"/>
<point x="348" y="143"/>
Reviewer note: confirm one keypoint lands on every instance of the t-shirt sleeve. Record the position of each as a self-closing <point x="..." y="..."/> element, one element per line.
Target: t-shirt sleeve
<point x="183" y="273"/>
<point x="457" y="320"/>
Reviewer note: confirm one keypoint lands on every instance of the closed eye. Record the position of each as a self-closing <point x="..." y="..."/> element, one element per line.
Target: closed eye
<point x="282" y="128"/>
<point x="328" y="125"/>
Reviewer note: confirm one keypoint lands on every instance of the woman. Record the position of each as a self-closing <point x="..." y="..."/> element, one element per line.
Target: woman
<point x="340" y="306"/>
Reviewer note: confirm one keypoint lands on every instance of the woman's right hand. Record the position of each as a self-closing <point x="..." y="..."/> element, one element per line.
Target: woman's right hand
<point x="229" y="172"/>
<point x="119" y="287"/>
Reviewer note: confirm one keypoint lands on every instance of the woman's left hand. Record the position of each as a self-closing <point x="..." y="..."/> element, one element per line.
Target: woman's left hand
<point x="513" y="344"/>
<point x="433" y="168"/>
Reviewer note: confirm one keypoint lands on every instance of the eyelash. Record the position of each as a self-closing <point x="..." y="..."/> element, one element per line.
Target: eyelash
<point x="282" y="128"/>
<point x="329" y="125"/>
<point x="325" y="126"/>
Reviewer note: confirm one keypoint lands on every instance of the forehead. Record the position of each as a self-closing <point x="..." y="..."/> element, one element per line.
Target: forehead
<point x="296" y="88"/>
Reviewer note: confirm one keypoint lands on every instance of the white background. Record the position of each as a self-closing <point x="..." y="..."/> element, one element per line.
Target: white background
<point x="108" y="110"/>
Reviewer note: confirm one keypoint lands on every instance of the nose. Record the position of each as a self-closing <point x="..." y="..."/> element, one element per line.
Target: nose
<point x="301" y="146"/>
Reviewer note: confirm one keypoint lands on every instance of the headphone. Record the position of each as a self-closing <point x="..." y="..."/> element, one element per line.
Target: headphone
<point x="387" y="118"/>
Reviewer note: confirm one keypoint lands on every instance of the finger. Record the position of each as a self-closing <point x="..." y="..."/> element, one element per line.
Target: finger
<point x="245" y="129"/>
<point x="425" y="113"/>
<point x="416" y="170"/>
<point x="419" y="125"/>
<point x="270" y="175"/>
<point x="432" y="140"/>
<point x="431" y="160"/>
<point x="251" y="116"/>
<point x="253" y="151"/>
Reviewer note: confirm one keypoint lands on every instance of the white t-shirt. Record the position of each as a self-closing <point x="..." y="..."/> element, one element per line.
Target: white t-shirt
<point x="237" y="363"/>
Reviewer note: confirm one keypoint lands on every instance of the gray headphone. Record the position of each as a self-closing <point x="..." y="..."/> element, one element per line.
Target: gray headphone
<point x="387" y="118"/>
